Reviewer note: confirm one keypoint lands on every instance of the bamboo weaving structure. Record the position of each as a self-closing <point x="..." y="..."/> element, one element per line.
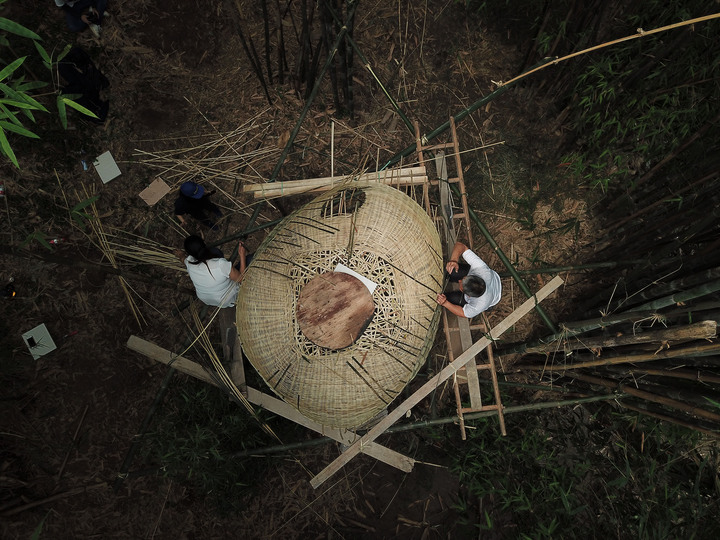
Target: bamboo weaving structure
<point x="378" y="232"/>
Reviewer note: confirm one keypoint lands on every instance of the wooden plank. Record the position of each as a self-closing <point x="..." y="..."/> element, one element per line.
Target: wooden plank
<point x="473" y="381"/>
<point x="397" y="413"/>
<point x="151" y="350"/>
<point x="270" y="403"/>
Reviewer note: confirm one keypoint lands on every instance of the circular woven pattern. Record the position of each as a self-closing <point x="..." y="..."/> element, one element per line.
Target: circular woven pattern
<point x="334" y="309"/>
<point x="379" y="233"/>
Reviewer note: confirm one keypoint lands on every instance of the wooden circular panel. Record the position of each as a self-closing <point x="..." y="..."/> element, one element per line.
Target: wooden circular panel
<point x="334" y="309"/>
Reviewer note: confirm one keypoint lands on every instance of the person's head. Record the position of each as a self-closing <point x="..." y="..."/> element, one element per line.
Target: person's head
<point x="196" y="248"/>
<point x="192" y="190"/>
<point x="473" y="286"/>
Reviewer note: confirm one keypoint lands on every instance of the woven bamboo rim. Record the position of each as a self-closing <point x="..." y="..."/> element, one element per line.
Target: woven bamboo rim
<point x="378" y="232"/>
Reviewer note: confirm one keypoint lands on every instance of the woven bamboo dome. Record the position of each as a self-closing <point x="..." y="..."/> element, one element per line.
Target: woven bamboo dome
<point x="346" y="378"/>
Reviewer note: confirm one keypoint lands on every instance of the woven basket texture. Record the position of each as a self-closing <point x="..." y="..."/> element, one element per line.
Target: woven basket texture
<point x="378" y="232"/>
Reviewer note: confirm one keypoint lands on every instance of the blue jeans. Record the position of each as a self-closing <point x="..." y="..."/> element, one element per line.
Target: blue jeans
<point x="73" y="17"/>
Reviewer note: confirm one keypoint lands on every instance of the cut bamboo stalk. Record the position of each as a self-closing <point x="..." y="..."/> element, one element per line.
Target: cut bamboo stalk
<point x="431" y="384"/>
<point x="687" y="374"/>
<point x="700" y="330"/>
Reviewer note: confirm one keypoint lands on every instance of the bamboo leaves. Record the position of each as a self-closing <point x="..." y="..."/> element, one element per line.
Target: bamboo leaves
<point x="15" y="97"/>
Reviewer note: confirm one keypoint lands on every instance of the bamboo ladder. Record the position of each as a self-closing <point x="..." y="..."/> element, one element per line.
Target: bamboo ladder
<point x="458" y="331"/>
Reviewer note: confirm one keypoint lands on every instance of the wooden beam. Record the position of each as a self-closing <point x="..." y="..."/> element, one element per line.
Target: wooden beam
<point x="270" y="403"/>
<point x="397" y="413"/>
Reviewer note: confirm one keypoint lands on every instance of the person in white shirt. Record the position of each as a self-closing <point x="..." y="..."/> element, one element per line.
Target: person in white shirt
<point x="480" y="286"/>
<point x="216" y="280"/>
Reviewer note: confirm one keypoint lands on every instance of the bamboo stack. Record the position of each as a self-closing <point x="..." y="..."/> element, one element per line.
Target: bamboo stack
<point x="409" y="176"/>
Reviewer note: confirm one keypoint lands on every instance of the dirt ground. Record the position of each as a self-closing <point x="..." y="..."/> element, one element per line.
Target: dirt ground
<point x="179" y="75"/>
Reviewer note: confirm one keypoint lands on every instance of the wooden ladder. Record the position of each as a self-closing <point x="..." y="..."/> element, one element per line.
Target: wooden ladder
<point x="458" y="330"/>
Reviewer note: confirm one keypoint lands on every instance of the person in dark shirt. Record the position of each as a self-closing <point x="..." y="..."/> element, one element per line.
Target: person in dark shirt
<point x="195" y="201"/>
<point x="81" y="14"/>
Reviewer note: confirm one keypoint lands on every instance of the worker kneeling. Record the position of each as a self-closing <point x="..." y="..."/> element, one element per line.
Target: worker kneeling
<point x="480" y="286"/>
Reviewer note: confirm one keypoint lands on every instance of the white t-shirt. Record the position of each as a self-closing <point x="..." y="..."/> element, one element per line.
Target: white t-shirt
<point x="493" y="286"/>
<point x="212" y="281"/>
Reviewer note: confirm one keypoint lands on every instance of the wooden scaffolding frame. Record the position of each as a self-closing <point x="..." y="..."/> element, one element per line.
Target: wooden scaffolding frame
<point x="458" y="330"/>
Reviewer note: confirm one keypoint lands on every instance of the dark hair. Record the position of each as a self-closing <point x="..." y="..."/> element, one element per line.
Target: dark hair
<point x="473" y="286"/>
<point x="196" y="248"/>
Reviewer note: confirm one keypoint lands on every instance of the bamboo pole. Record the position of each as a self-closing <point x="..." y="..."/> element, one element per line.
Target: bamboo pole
<point x="681" y="297"/>
<point x="686" y="374"/>
<point x="700" y="330"/>
<point x="53" y="498"/>
<point x="652" y="397"/>
<point x="696" y="350"/>
<point x="570" y="269"/>
<point x="644" y="409"/>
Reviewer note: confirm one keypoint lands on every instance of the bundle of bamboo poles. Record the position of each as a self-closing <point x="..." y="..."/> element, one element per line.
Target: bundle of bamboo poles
<point x="667" y="365"/>
<point x="408" y="176"/>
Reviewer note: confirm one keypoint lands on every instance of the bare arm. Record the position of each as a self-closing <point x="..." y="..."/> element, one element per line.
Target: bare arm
<point x="235" y="274"/>
<point x="453" y="264"/>
<point x="452" y="308"/>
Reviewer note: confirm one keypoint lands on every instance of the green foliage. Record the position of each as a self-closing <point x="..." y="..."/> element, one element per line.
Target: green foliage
<point x="36" y="236"/>
<point x="38" y="530"/>
<point x="554" y="476"/>
<point x="16" y="100"/>
<point x="194" y="444"/>
<point x="77" y="213"/>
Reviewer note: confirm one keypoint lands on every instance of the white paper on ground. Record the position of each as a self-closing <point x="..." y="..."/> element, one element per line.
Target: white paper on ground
<point x="38" y="341"/>
<point x="106" y="167"/>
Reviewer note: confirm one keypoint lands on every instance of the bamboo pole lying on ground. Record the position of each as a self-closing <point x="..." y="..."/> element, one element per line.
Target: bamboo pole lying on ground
<point x="424" y="424"/>
<point x="697" y="350"/>
<point x="651" y="397"/>
<point x="395" y="177"/>
<point x="700" y="330"/>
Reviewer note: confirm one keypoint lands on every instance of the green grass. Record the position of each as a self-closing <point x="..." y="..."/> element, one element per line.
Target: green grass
<point x="559" y="474"/>
<point x="194" y="438"/>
